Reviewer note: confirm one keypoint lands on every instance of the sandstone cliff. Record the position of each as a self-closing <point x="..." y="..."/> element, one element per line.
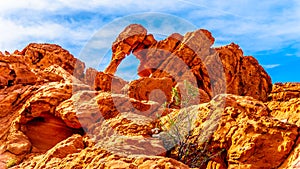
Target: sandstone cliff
<point x="193" y="106"/>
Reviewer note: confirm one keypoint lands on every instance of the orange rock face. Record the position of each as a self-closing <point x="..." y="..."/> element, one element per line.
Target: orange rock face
<point x="94" y="158"/>
<point x="155" y="89"/>
<point x="194" y="106"/>
<point x="107" y="82"/>
<point x="191" y="57"/>
<point x="284" y="105"/>
<point x="41" y="56"/>
<point x="237" y="132"/>
<point x="128" y="40"/>
<point x="244" y="76"/>
<point x="33" y="83"/>
<point x="285" y="91"/>
<point x="14" y="71"/>
<point x="284" y="102"/>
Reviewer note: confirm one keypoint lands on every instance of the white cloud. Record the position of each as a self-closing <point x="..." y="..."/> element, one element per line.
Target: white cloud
<point x="16" y="36"/>
<point x="255" y="25"/>
<point x="16" y="5"/>
<point x="28" y="21"/>
<point x="118" y="6"/>
<point x="270" y="66"/>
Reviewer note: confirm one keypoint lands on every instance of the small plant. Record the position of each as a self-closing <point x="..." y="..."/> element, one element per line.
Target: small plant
<point x="11" y="162"/>
<point x="196" y="154"/>
<point x="194" y="151"/>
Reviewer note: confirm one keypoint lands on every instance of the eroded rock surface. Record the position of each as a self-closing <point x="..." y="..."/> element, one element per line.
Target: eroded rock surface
<point x="191" y="57"/>
<point x="244" y="76"/>
<point x="33" y="83"/>
<point x="284" y="104"/>
<point x="285" y="91"/>
<point x="94" y="158"/>
<point x="237" y="132"/>
<point x="53" y="115"/>
<point x="41" y="56"/>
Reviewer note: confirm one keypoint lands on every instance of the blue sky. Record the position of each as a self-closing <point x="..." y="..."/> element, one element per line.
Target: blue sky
<point x="267" y="30"/>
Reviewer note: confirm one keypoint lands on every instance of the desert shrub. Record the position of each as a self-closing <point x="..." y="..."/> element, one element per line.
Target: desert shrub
<point x="11" y="162"/>
<point x="177" y="136"/>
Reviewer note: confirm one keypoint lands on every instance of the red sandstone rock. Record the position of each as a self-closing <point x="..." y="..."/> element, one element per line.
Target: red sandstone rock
<point x="46" y="101"/>
<point x="284" y="91"/>
<point x="190" y="57"/>
<point x="108" y="83"/>
<point x="15" y="71"/>
<point x="284" y="102"/>
<point x="41" y="56"/>
<point x="94" y="158"/>
<point x="155" y="89"/>
<point x="244" y="76"/>
<point x="132" y="36"/>
<point x="241" y="126"/>
<point x="153" y="56"/>
<point x="90" y="76"/>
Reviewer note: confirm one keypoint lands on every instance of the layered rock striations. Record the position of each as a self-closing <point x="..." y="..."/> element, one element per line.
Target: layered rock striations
<point x="194" y="105"/>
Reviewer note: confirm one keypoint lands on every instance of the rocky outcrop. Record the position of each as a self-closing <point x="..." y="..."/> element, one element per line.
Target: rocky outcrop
<point x="94" y="158"/>
<point x="238" y="132"/>
<point x="288" y="111"/>
<point x="244" y="75"/>
<point x="191" y="57"/>
<point x="108" y="83"/>
<point x="234" y="132"/>
<point x="254" y="136"/>
<point x="293" y="160"/>
<point x="33" y="83"/>
<point x="284" y="104"/>
<point x="285" y="91"/>
<point x="41" y="56"/>
<point x="14" y="71"/>
<point x="176" y="115"/>
<point x="132" y="37"/>
<point x="151" y="89"/>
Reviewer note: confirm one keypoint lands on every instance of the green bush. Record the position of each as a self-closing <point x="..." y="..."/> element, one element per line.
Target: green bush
<point x="194" y="151"/>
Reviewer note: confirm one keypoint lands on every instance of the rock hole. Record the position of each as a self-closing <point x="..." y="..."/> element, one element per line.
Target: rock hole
<point x="10" y="83"/>
<point x="13" y="73"/>
<point x="38" y="58"/>
<point x="127" y="69"/>
<point x="38" y="119"/>
<point x="45" y="131"/>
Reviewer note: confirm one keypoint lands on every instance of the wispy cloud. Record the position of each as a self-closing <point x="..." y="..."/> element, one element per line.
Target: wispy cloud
<point x="255" y="25"/>
<point x="68" y="23"/>
<point x="270" y="66"/>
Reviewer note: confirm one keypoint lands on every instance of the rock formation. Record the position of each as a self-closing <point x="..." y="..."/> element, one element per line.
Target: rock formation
<point x="216" y="70"/>
<point x="284" y="105"/>
<point x="193" y="106"/>
<point x="244" y="129"/>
